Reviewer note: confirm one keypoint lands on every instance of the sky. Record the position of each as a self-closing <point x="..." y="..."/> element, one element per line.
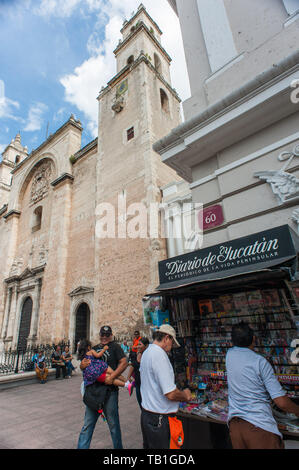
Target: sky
<point x="56" y="55"/>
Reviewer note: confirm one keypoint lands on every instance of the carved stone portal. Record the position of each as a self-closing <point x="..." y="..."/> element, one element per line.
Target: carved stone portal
<point x="41" y="183"/>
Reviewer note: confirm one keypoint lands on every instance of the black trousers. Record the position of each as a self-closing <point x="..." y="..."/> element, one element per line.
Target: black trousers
<point x="58" y="369"/>
<point x="155" y="430"/>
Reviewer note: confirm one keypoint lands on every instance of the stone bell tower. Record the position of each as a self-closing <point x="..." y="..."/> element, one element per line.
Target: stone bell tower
<point x="137" y="107"/>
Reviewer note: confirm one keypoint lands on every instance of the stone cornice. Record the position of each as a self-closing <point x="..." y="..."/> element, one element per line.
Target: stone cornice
<point x="81" y="153"/>
<point x="28" y="273"/>
<point x="5" y="186"/>
<point x="140" y="9"/>
<point x="12" y="213"/>
<point x="141" y="26"/>
<point x="126" y="70"/>
<point x="7" y="163"/>
<point x="66" y="177"/>
<point x="250" y="88"/>
<point x="81" y="291"/>
<point x="70" y="122"/>
<point x="3" y="209"/>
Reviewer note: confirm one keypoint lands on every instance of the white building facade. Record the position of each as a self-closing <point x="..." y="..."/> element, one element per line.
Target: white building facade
<point x="239" y="145"/>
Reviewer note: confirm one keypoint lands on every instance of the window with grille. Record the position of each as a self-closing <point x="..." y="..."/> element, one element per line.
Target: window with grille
<point x="130" y="133"/>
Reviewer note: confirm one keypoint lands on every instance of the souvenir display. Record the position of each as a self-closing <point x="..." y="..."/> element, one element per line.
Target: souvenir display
<point x="204" y="328"/>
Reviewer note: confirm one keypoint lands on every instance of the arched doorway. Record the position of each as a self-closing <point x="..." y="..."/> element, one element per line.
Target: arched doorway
<point x="82" y="329"/>
<point x="25" y="324"/>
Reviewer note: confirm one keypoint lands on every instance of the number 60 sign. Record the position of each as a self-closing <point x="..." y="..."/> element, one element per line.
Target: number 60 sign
<point x="211" y="217"/>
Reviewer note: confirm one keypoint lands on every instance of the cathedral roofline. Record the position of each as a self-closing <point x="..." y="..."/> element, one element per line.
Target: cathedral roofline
<point x="141" y="26"/>
<point x="125" y="71"/>
<point x="85" y="149"/>
<point x="72" y="121"/>
<point x="141" y="8"/>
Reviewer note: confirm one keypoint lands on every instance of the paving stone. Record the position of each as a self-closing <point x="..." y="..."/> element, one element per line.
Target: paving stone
<point x="51" y="416"/>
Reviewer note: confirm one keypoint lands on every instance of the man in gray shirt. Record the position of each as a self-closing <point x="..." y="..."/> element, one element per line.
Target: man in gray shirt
<point x="251" y="387"/>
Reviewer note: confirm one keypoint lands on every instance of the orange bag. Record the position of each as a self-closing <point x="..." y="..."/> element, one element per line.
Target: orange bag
<point x="176" y="433"/>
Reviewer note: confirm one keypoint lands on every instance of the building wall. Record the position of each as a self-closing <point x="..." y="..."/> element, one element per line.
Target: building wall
<point x="261" y="32"/>
<point x="126" y="269"/>
<point x="254" y="36"/>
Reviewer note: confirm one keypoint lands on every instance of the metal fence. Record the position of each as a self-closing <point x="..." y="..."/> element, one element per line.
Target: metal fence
<point x="19" y="360"/>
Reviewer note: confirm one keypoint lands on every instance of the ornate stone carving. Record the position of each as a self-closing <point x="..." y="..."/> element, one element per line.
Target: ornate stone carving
<point x="41" y="183"/>
<point x="285" y="186"/>
<point x="295" y="218"/>
<point x="16" y="267"/>
<point x="118" y="105"/>
<point x="43" y="255"/>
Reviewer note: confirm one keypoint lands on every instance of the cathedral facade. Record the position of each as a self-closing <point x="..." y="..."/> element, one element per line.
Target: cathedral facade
<point x="60" y="279"/>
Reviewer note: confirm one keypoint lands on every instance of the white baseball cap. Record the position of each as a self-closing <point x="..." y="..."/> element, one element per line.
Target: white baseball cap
<point x="169" y="330"/>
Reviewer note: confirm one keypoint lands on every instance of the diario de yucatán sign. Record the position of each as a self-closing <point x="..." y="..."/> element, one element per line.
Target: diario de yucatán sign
<point x="234" y="257"/>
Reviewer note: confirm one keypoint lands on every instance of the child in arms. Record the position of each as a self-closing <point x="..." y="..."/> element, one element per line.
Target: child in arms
<point x="98" y="370"/>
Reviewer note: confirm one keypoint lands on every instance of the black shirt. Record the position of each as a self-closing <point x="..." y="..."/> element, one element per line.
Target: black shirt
<point x="112" y="356"/>
<point x="136" y="365"/>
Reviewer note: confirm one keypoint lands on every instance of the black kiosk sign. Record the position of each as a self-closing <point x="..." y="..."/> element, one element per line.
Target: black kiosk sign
<point x="252" y="253"/>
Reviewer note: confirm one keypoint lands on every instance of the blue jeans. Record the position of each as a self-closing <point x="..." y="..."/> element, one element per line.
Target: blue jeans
<point x="69" y="368"/>
<point x="91" y="418"/>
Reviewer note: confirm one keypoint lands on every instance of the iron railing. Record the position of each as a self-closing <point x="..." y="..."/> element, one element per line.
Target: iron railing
<point x="19" y="360"/>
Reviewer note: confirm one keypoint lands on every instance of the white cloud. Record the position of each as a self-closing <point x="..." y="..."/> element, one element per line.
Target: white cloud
<point x="83" y="85"/>
<point x="58" y="8"/>
<point x="35" y="117"/>
<point x="7" y="106"/>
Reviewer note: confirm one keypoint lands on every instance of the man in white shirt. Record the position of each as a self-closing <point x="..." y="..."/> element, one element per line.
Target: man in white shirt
<point x="160" y="396"/>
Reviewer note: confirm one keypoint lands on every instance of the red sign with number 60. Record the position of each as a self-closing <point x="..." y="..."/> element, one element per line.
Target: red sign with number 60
<point x="211" y="217"/>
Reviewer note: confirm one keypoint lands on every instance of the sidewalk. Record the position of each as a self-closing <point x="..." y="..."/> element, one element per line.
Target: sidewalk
<point x="51" y="416"/>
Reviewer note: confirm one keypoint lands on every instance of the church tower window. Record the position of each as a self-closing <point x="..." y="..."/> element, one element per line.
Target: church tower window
<point x="130" y="133"/>
<point x="157" y="61"/>
<point x="37" y="219"/>
<point x="164" y="101"/>
<point x="130" y="60"/>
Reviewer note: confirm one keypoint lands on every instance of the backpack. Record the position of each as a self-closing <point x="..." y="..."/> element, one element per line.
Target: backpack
<point x="95" y="396"/>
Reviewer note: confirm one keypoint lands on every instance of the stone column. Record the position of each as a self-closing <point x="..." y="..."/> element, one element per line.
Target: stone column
<point x="35" y="312"/>
<point x="178" y="232"/>
<point x="13" y="323"/>
<point x="6" y="314"/>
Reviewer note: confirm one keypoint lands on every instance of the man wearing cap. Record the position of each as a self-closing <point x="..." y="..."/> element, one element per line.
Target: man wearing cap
<point x="160" y="396"/>
<point x="116" y="359"/>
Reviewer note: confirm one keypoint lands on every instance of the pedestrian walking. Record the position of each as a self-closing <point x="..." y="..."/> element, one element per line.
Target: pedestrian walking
<point x="136" y="339"/>
<point x="251" y="387"/>
<point x="116" y="359"/>
<point x="98" y="370"/>
<point x="160" y="396"/>
<point x="134" y="371"/>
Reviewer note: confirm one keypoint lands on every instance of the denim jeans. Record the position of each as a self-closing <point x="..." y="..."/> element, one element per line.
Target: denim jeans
<point x="69" y="368"/>
<point x="91" y="418"/>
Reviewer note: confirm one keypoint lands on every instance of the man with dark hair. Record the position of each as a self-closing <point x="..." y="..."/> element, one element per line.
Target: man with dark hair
<point x="58" y="364"/>
<point x="160" y="396"/>
<point x="251" y="386"/>
<point x="116" y="359"/>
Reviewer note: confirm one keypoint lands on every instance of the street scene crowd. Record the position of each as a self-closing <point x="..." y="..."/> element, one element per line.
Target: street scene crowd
<point x="252" y="386"/>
